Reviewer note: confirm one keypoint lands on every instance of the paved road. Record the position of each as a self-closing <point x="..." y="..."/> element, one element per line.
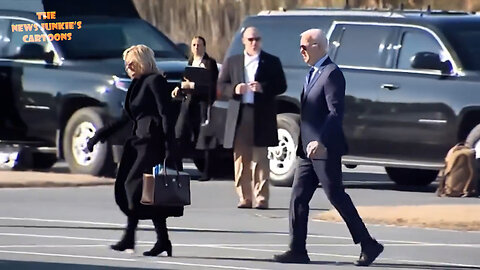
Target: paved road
<point x="71" y="228"/>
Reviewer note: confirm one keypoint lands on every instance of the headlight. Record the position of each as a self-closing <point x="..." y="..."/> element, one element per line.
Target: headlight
<point x="121" y="83"/>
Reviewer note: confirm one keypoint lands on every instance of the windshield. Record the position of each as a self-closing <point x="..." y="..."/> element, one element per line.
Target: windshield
<point x="466" y="41"/>
<point x="109" y="39"/>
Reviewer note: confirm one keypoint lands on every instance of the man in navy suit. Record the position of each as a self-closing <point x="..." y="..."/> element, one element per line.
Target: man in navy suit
<point x="321" y="146"/>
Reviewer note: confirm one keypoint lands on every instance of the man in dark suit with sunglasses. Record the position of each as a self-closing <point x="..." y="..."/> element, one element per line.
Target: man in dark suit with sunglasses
<point x="254" y="79"/>
<point x="321" y="146"/>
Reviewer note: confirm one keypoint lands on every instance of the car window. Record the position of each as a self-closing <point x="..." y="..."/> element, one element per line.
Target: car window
<point x="22" y="44"/>
<point x="415" y="41"/>
<point x="355" y="49"/>
<point x="99" y="39"/>
<point x="281" y="36"/>
<point x="4" y="37"/>
<point x="465" y="39"/>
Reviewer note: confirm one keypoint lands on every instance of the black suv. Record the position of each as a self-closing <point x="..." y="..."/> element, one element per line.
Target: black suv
<point x="54" y="95"/>
<point x="413" y="85"/>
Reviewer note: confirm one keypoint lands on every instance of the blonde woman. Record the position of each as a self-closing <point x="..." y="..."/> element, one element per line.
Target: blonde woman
<point x="148" y="105"/>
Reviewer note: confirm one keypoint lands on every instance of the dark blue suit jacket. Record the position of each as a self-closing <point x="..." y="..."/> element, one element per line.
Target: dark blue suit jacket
<point x="322" y="111"/>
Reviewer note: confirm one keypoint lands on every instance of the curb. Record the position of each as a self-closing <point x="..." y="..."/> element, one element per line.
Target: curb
<point x="13" y="179"/>
<point x="461" y="217"/>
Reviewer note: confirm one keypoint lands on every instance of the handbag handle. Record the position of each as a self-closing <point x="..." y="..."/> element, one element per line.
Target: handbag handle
<point x="165" y="173"/>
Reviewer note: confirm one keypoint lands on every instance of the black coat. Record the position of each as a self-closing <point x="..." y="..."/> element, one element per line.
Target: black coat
<point x="194" y="107"/>
<point x="270" y="75"/>
<point x="148" y="105"/>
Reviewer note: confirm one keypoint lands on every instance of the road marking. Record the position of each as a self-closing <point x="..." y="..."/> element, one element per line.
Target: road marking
<point x="64" y="221"/>
<point x="67" y="255"/>
<point x="67" y="237"/>
<point x="429" y="263"/>
<point x="234" y="267"/>
<point x="215" y="230"/>
<point x="50" y="246"/>
<point x="220" y="246"/>
<point x="128" y="260"/>
<point x="354" y="245"/>
<point x="149" y="243"/>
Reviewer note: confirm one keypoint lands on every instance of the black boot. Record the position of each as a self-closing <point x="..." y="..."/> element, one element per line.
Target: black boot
<point x="128" y="239"/>
<point x="163" y="243"/>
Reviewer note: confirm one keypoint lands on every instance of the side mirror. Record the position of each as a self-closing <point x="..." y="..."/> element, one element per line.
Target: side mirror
<point x="35" y="51"/>
<point x="184" y="48"/>
<point x="49" y="56"/>
<point x="429" y="60"/>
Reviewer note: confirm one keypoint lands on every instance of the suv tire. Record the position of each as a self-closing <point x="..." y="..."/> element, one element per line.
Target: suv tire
<point x="283" y="158"/>
<point x="81" y="127"/>
<point x="413" y="177"/>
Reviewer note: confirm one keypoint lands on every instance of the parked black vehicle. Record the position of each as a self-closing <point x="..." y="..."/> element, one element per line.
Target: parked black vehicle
<point x="413" y="85"/>
<point x="56" y="93"/>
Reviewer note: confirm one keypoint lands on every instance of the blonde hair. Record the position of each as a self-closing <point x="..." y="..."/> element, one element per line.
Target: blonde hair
<point x="144" y="57"/>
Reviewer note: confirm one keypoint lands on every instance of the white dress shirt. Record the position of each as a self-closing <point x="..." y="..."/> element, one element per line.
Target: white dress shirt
<point x="198" y="62"/>
<point x="316" y="68"/>
<point x="251" y="66"/>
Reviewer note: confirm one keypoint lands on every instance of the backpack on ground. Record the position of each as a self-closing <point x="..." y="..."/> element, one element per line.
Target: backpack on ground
<point x="459" y="176"/>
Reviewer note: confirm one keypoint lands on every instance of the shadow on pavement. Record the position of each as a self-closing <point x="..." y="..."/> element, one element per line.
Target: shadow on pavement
<point x="261" y="260"/>
<point x="31" y="265"/>
<point x="420" y="266"/>
<point x="381" y="182"/>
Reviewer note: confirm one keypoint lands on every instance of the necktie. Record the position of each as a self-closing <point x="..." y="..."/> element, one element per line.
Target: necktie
<point x="310" y="74"/>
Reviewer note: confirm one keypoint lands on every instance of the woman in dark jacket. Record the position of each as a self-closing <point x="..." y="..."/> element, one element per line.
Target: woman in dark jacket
<point x="148" y="105"/>
<point x="195" y="104"/>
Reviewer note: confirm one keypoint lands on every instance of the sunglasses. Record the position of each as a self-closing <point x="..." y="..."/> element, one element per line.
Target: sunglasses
<point x="129" y="65"/>
<point x="304" y="47"/>
<point x="254" y="38"/>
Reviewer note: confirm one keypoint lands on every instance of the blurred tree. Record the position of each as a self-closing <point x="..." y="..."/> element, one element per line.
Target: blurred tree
<point x="217" y="20"/>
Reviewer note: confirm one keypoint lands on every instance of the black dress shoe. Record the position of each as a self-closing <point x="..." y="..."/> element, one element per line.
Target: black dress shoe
<point x="158" y="248"/>
<point x="369" y="253"/>
<point x="292" y="257"/>
<point x="124" y="244"/>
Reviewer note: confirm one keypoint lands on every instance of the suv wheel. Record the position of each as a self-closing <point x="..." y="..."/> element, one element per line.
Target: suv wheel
<point x="80" y="128"/>
<point x="283" y="158"/>
<point x="415" y="177"/>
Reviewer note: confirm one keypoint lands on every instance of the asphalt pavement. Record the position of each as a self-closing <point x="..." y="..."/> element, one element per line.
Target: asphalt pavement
<point x="72" y="227"/>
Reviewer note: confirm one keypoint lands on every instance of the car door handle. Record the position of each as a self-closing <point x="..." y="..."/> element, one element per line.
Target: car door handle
<point x="389" y="86"/>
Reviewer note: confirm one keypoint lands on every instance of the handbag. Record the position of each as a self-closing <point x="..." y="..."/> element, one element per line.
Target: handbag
<point x="166" y="187"/>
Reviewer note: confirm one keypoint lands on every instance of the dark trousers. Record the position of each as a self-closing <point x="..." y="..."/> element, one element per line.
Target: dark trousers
<point x="308" y="175"/>
<point x="185" y="146"/>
